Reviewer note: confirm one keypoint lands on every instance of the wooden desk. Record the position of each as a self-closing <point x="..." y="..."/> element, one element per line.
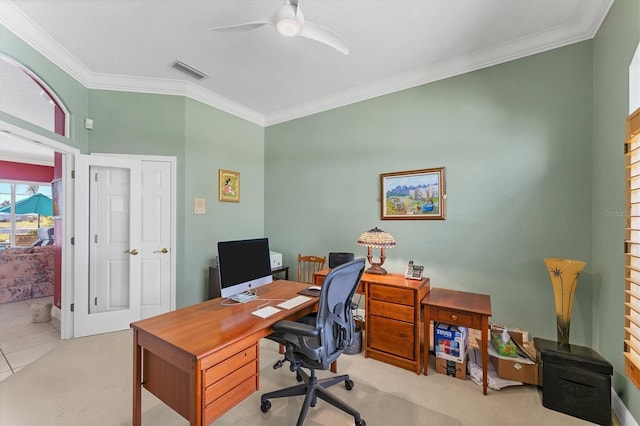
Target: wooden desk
<point x="458" y="308"/>
<point x="392" y="317"/>
<point x="202" y="360"/>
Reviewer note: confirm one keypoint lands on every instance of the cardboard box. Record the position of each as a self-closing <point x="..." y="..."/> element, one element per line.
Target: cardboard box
<point x="515" y="369"/>
<point x="450" y="342"/>
<point x="452" y="368"/>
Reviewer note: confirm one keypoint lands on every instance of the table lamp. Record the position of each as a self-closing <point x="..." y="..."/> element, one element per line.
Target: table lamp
<point x="376" y="238"/>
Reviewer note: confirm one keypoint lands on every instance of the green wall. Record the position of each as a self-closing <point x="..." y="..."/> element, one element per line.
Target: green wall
<point x="533" y="157"/>
<point x="614" y="47"/>
<point x="515" y="140"/>
<point x="216" y="140"/>
<point x="203" y="140"/>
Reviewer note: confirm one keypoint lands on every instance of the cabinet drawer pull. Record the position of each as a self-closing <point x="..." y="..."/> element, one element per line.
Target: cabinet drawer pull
<point x="454" y="317"/>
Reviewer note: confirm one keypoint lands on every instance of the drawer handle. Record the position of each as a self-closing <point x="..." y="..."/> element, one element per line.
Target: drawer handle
<point x="454" y="317"/>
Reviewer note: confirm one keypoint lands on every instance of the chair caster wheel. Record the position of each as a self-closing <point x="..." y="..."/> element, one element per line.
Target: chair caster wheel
<point x="348" y="384"/>
<point x="361" y="423"/>
<point x="265" y="406"/>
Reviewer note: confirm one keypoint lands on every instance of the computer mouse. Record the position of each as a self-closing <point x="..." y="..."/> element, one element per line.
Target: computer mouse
<point x="315" y="287"/>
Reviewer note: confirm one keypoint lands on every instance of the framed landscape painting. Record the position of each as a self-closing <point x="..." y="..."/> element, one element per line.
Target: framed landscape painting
<point x="413" y="195"/>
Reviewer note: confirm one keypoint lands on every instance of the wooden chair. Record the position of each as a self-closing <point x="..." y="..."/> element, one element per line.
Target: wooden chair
<point x="307" y="265"/>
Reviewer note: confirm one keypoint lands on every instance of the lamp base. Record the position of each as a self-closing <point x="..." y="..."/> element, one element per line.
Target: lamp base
<point x="376" y="269"/>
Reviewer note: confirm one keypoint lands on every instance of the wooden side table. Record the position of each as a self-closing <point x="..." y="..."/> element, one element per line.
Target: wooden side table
<point x="460" y="308"/>
<point x="279" y="269"/>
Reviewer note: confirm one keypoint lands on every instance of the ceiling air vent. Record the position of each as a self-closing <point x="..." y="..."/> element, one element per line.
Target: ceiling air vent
<point x="188" y="69"/>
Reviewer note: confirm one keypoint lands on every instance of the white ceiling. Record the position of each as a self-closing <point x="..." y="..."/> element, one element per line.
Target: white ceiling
<point x="22" y="151"/>
<point x="267" y="78"/>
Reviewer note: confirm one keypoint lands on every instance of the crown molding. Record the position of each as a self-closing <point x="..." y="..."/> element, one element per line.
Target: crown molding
<point x="584" y="28"/>
<point x="161" y="86"/>
<point x="593" y="14"/>
<point x="31" y="33"/>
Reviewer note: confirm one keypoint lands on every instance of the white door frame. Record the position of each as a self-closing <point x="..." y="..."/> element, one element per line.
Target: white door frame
<point x="68" y="221"/>
<point x="68" y="157"/>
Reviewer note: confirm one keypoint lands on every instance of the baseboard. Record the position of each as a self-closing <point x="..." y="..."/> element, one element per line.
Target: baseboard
<point x="620" y="410"/>
<point x="56" y="313"/>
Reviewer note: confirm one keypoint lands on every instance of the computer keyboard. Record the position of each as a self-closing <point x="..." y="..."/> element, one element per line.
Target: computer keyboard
<point x="292" y="303"/>
<point x="265" y="312"/>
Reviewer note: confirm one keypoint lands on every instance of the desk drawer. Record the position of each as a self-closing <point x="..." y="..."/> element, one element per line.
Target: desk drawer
<point x="215" y="409"/>
<point x="319" y="280"/>
<point x="219" y="388"/>
<point x="454" y="318"/>
<point x="391" y="294"/>
<point x="231" y="364"/>
<point x="392" y="310"/>
<point x="391" y="336"/>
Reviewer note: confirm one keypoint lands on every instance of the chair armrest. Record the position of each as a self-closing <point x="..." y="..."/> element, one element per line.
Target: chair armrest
<point x="298" y="328"/>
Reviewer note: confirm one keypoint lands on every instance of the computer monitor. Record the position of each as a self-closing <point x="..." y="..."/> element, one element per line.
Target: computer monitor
<point x="243" y="266"/>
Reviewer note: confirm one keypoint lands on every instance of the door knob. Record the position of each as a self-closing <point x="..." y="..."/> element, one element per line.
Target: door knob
<point x="132" y="252"/>
<point x="163" y="251"/>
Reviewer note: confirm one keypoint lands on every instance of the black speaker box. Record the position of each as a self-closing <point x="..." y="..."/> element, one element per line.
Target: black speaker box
<point x="337" y="259"/>
<point x="575" y="380"/>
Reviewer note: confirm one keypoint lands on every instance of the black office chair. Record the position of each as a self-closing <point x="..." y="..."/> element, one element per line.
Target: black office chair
<point x="316" y="346"/>
<point x="337" y="259"/>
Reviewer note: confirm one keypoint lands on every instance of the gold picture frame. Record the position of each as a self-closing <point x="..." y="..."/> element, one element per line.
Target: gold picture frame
<point x="413" y="195"/>
<point x="228" y="186"/>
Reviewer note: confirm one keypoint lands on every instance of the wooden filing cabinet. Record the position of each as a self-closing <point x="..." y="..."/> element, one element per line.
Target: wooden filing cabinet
<point x="392" y="317"/>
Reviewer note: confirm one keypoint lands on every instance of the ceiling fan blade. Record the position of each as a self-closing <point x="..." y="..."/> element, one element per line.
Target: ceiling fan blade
<point x="242" y="27"/>
<point x="323" y="35"/>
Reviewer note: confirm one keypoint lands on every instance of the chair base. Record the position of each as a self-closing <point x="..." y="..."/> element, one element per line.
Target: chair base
<point x="313" y="388"/>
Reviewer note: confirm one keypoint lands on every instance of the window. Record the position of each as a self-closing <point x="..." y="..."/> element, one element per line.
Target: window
<point x="632" y="250"/>
<point x="27" y="97"/>
<point x="19" y="229"/>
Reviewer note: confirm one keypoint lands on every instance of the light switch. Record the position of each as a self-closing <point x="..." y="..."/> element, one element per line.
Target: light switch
<point x="199" y="206"/>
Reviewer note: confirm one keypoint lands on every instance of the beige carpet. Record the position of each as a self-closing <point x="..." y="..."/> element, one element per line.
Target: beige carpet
<point x="375" y="407"/>
<point x="87" y="381"/>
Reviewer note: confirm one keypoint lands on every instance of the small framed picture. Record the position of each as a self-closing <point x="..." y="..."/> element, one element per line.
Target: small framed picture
<point x="414" y="194"/>
<point x="228" y="186"/>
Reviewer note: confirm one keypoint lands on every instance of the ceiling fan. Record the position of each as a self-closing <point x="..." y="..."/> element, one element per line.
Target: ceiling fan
<point x="289" y="21"/>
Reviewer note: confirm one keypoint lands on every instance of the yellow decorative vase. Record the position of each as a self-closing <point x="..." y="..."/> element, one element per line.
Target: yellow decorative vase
<point x="564" y="275"/>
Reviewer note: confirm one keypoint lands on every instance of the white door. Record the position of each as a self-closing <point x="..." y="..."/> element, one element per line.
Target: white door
<point x="156" y="250"/>
<point x="107" y="290"/>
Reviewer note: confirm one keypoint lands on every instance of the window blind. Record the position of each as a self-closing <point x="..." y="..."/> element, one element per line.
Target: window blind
<point x="632" y="250"/>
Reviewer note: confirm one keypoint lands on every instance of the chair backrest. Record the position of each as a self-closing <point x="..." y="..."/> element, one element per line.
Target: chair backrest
<point x="307" y="265"/>
<point x="337" y="259"/>
<point x="334" y="317"/>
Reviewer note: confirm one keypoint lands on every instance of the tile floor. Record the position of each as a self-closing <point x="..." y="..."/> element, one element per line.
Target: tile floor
<point x="21" y="341"/>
